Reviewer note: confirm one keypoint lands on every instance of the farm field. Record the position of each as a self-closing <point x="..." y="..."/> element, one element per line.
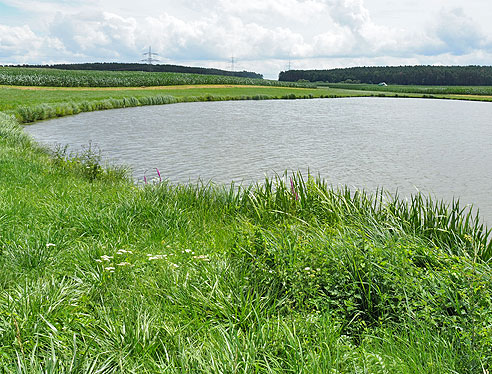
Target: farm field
<point x="83" y="78"/>
<point x="100" y="275"/>
<point x="484" y="92"/>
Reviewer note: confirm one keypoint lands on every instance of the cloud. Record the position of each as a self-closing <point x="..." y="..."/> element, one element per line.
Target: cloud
<point x="350" y="13"/>
<point x="458" y="33"/>
<point x="23" y="45"/>
<point x="96" y="34"/>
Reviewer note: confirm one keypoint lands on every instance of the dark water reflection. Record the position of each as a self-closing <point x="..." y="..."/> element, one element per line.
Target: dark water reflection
<point x="436" y="146"/>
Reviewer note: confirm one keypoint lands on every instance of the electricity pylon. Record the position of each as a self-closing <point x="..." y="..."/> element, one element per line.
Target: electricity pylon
<point x="150" y="59"/>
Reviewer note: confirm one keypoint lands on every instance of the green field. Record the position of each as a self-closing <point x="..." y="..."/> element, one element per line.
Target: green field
<point x="12" y="97"/>
<point x="30" y="104"/>
<point x="439" y="91"/>
<point x="84" y="78"/>
<point x="99" y="275"/>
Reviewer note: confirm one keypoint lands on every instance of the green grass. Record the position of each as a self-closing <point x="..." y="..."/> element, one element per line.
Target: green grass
<point x="13" y="97"/>
<point x="30" y="105"/>
<point x="439" y="91"/>
<point x="99" y="275"/>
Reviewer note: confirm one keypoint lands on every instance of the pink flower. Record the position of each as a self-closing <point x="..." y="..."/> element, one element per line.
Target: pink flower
<point x="293" y="190"/>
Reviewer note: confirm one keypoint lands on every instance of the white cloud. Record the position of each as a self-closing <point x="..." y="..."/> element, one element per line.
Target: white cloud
<point x="458" y="32"/>
<point x="24" y="46"/>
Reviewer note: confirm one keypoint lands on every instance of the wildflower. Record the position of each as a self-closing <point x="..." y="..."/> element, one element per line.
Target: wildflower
<point x="202" y="257"/>
<point x="122" y="251"/>
<point x="293" y="190"/>
<point x="98" y="260"/>
<point x="157" y="257"/>
<point x="307" y="268"/>
<point x="106" y="257"/>
<point x="109" y="268"/>
<point x="188" y="250"/>
<point x="145" y="179"/>
<point x="159" y="174"/>
<point x="175" y="265"/>
<point x="50" y="245"/>
<point x="125" y="264"/>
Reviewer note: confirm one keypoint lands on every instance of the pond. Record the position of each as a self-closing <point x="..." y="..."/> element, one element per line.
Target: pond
<point x="439" y="147"/>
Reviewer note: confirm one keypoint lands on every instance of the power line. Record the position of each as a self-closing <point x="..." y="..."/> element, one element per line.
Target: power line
<point x="150" y="59"/>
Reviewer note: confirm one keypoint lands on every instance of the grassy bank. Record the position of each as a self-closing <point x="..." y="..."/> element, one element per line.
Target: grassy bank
<point x="31" y="104"/>
<point x="98" y="275"/>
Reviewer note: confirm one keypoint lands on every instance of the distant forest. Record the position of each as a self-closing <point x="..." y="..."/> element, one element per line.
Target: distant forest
<point x="405" y="75"/>
<point x="164" y="68"/>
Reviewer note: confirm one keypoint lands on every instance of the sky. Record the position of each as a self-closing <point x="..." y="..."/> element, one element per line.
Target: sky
<point x="265" y="36"/>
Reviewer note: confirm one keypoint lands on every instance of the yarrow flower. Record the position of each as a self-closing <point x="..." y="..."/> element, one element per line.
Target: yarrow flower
<point x="156" y="257"/>
<point x="50" y="245"/>
<point x="125" y="264"/>
<point x="202" y="257"/>
<point x="123" y="251"/>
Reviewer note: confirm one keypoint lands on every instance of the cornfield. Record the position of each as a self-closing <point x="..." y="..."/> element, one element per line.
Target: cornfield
<point x="77" y="78"/>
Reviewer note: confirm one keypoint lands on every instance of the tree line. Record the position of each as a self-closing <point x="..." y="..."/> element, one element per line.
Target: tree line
<point x="161" y="68"/>
<point x="404" y="75"/>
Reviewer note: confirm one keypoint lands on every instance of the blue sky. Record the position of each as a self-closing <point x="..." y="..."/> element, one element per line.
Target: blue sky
<point x="262" y="35"/>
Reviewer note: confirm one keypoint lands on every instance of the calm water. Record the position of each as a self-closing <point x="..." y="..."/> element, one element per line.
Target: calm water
<point x="439" y="147"/>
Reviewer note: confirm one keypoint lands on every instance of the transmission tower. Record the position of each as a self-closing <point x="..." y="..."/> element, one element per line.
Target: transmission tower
<point x="232" y="63"/>
<point x="150" y="59"/>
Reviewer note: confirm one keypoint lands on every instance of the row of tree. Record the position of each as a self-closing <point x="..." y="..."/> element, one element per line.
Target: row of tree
<point x="115" y="66"/>
<point x="405" y="75"/>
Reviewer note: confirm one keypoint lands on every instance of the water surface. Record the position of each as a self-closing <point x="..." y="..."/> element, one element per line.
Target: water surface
<point x="436" y="146"/>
